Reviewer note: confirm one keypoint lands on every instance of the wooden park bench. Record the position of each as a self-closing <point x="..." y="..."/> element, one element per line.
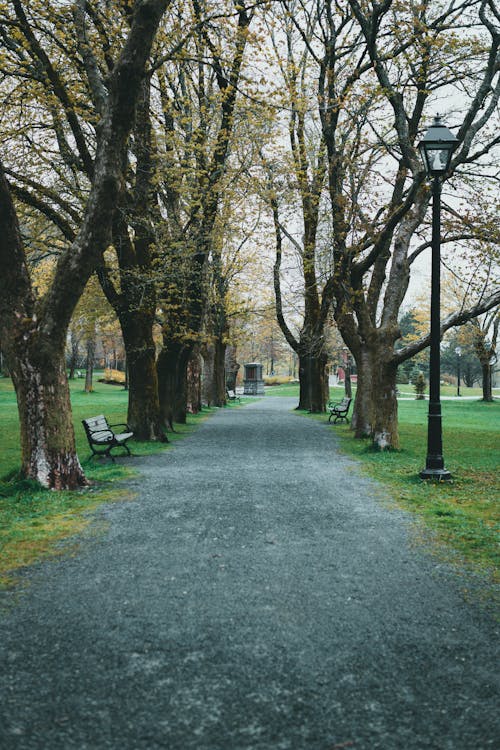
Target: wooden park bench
<point x="231" y="396"/>
<point x="339" y="410"/>
<point x="102" y="438"/>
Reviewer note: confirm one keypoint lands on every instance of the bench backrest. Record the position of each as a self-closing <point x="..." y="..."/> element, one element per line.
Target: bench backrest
<point x="96" y="424"/>
<point x="98" y="430"/>
<point x="343" y="405"/>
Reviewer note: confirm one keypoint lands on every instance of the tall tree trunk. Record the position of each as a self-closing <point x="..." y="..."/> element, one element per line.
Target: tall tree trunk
<point x="73" y="357"/>
<point x="48" y="451"/>
<point x="172" y="382"/>
<point x="143" y="415"/>
<point x="487" y="384"/>
<point x="313" y="382"/>
<point x="385" y="408"/>
<point x="209" y="391"/>
<point x="220" y="372"/>
<point x="89" y="371"/>
<point x="375" y="411"/>
<point x="194" y="382"/>
<point x="362" y="412"/>
<point x="232" y="367"/>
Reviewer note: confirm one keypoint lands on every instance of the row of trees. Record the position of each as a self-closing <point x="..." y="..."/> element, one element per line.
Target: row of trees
<point x="160" y="145"/>
<point x="374" y="69"/>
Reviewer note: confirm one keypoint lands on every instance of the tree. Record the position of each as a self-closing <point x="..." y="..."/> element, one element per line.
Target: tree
<point x="485" y="337"/>
<point x="199" y="109"/>
<point x="411" y="330"/>
<point x="379" y="68"/>
<point x="34" y="331"/>
<point x="306" y="165"/>
<point x="94" y="33"/>
<point x="470" y="367"/>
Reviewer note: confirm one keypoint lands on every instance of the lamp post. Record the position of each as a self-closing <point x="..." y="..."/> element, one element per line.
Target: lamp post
<point x="458" y="352"/>
<point x="436" y="149"/>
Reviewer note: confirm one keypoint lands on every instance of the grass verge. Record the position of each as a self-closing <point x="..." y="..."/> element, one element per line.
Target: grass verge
<point x="463" y="515"/>
<point x="36" y="523"/>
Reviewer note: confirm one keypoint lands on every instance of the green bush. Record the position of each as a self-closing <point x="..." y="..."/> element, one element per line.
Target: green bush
<point x="420" y="386"/>
<point x="277" y="380"/>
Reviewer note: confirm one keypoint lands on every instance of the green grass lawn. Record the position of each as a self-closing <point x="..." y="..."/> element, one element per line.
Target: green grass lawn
<point x="34" y="522"/>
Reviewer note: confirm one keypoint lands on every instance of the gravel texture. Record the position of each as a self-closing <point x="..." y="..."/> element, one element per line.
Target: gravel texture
<point x="257" y="594"/>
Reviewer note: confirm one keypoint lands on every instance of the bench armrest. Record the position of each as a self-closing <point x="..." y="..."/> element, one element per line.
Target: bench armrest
<point x="101" y="436"/>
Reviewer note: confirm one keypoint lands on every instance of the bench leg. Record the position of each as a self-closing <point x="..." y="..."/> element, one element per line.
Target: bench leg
<point x="119" y="445"/>
<point x="341" y="418"/>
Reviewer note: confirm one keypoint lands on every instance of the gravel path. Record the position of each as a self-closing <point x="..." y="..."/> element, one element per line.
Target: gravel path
<point x="255" y="595"/>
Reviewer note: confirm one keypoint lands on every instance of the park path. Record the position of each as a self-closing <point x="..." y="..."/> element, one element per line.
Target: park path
<point x="257" y="594"/>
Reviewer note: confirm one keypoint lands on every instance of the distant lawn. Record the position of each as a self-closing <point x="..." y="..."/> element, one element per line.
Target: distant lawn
<point x="33" y="521"/>
<point x="406" y="390"/>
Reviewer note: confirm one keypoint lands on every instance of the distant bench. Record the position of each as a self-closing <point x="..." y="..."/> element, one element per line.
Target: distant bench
<point x="339" y="410"/>
<point x="102" y="438"/>
<point x="231" y="396"/>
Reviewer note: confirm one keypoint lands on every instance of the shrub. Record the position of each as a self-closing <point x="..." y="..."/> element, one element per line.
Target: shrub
<point x="113" y="377"/>
<point x="277" y="380"/>
<point x="420" y="386"/>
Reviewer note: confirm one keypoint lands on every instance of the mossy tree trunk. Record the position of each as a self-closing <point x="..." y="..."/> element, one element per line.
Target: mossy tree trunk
<point x="48" y="451"/>
<point x="172" y="382"/>
<point x="313" y="382"/>
<point x="209" y="392"/>
<point x="220" y="371"/>
<point x="143" y="416"/>
<point x="194" y="382"/>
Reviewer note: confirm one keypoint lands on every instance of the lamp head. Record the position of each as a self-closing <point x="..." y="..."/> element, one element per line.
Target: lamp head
<point x="437" y="147"/>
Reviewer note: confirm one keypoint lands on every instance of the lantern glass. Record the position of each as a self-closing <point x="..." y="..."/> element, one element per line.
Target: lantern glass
<point x="436" y="148"/>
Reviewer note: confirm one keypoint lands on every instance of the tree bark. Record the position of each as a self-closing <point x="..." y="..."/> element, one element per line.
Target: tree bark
<point x="143" y="416"/>
<point x="194" y="382"/>
<point x="89" y="367"/>
<point x="48" y="451"/>
<point x="172" y="382"/>
<point x="209" y="391"/>
<point x="385" y="408"/>
<point x="375" y="412"/>
<point x="232" y="367"/>
<point x="486" y="384"/>
<point x="220" y="372"/>
<point x="313" y="382"/>
<point x="73" y="354"/>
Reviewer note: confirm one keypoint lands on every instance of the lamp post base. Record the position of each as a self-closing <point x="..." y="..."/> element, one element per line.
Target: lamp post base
<point x="438" y="475"/>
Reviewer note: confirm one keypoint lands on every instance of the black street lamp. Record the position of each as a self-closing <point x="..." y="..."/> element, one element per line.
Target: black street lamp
<point x="436" y="149"/>
<point x="458" y="352"/>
